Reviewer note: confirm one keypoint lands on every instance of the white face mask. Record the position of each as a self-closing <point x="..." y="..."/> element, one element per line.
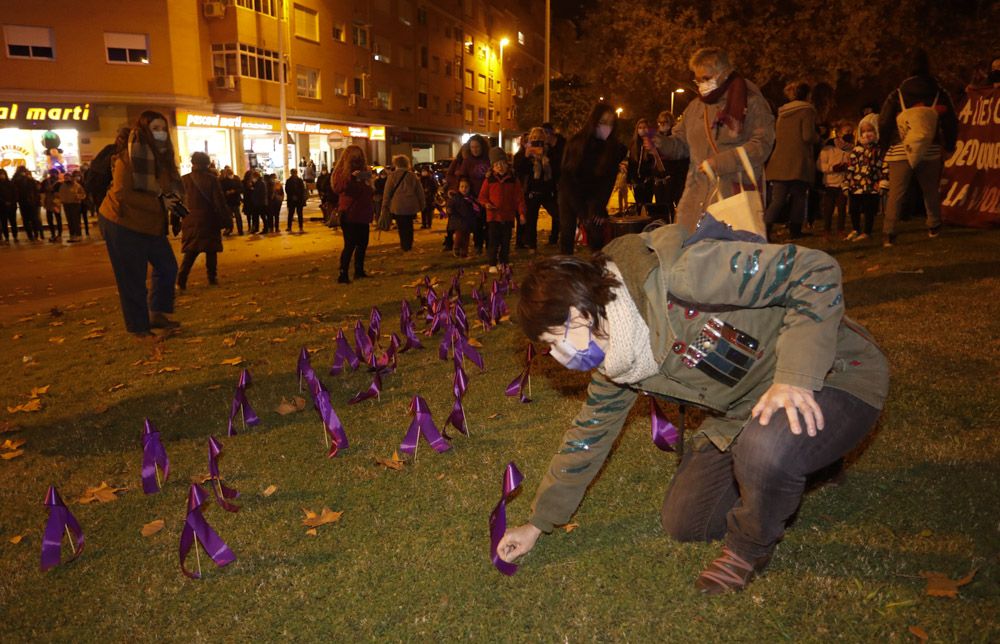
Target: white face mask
<point x="603" y="132"/>
<point x="161" y="135"/>
<point x="707" y="87"/>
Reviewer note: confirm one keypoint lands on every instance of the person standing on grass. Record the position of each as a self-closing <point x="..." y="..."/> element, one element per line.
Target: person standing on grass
<point x="351" y="183"/>
<point x="145" y="188"/>
<point x="533" y="168"/>
<point x="472" y="163"/>
<point x="865" y="176"/>
<point x="8" y="208"/>
<point x="208" y="215"/>
<point x="833" y="160"/>
<point x="71" y="196"/>
<point x="295" y="195"/>
<point x="503" y="199"/>
<point x="430" y="187"/>
<point x="792" y="167"/>
<point x="463" y="211"/>
<point x="644" y="165"/>
<point x="402" y="201"/>
<point x="555" y="146"/>
<point x="753" y="333"/>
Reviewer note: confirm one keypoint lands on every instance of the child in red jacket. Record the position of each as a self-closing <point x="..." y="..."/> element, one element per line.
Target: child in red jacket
<point x="503" y="198"/>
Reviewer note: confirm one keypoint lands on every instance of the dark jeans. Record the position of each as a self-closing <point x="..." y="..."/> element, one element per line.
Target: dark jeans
<point x="130" y="252"/>
<point x="498" y="251"/>
<point x="237" y="217"/>
<point x="643" y="192"/>
<point x="55" y="222"/>
<point x="355" y="243"/>
<point x="793" y="193"/>
<point x="73" y="219"/>
<point x="211" y="264"/>
<point x="404" y="225"/>
<point x="294" y="209"/>
<point x="748" y="493"/>
<point x="427" y="215"/>
<point x="529" y="231"/>
<point x="864" y="207"/>
<point x="8" y="221"/>
<point x="479" y="231"/>
<point x="591" y="215"/>
<point x="833" y="199"/>
<point x="32" y="220"/>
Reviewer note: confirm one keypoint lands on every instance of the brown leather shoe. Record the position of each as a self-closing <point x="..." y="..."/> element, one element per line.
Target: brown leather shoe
<point x="729" y="573"/>
<point x="160" y="321"/>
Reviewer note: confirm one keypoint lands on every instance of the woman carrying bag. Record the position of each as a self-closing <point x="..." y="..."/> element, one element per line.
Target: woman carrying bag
<point x="403" y="201"/>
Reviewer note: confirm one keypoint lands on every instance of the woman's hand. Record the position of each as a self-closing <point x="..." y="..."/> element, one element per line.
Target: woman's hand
<point x="517" y="542"/>
<point x="794" y="400"/>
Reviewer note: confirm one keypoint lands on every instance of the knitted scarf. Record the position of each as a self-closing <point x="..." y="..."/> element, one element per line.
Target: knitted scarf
<point x="143" y="165"/>
<point x="735" y="112"/>
<point x="629" y="357"/>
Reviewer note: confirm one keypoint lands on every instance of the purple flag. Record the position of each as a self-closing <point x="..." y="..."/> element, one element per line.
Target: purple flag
<point x="153" y="457"/>
<point x="498" y="518"/>
<point x="374" y="391"/>
<point x="344" y="355"/>
<point x="460" y="383"/>
<point x="303" y="365"/>
<point x="468" y="351"/>
<point x="334" y="428"/>
<point x="374" y="324"/>
<point x="197" y="531"/>
<point x="423" y="424"/>
<point x="408" y="328"/>
<point x="61" y="523"/>
<point x="665" y="435"/>
<point x="519" y="386"/>
<point x="221" y="491"/>
<point x="362" y="343"/>
<point x="241" y="404"/>
<point x="461" y="320"/>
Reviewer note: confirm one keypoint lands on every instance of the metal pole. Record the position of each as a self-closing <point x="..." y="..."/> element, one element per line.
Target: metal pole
<point x="672" y="95"/>
<point x="282" y="106"/>
<point x="548" y="34"/>
<point x="500" y="132"/>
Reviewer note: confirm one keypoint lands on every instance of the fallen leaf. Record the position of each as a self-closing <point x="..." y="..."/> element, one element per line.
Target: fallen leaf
<point x="103" y="493"/>
<point x="60" y="323"/>
<point x="35" y="404"/>
<point x="393" y="463"/>
<point x="440" y="476"/>
<point x="194" y="341"/>
<point x="168" y="369"/>
<point x="39" y="391"/>
<point x="88" y="322"/>
<point x="918" y="633"/>
<point x="570" y="527"/>
<point x="474" y="342"/>
<point x="16" y="539"/>
<point x="229" y="342"/>
<point x="152" y="527"/>
<point x="114" y="388"/>
<point x="94" y="335"/>
<point x="312" y="520"/>
<point x="232" y="362"/>
<point x="312" y="532"/>
<point x="27" y="318"/>
<point x="17" y="336"/>
<point x="13" y="444"/>
<point x="291" y="406"/>
<point x="278" y="340"/>
<point x="11" y="455"/>
<point x="874" y="268"/>
<point x="269" y="490"/>
<point x="57" y="340"/>
<point x="201" y="478"/>
<point x="492" y="416"/>
<point x="941" y="585"/>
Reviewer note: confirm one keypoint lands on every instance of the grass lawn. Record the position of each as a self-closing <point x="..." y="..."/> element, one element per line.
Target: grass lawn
<point x="409" y="558"/>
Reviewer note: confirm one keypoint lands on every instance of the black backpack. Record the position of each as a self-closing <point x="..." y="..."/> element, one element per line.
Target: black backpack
<point x="98" y="178"/>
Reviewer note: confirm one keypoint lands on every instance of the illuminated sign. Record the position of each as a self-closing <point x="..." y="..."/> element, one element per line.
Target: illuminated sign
<point x="13" y="156"/>
<point x="39" y="116"/>
<point x="377" y="133"/>
<point x="358" y="132"/>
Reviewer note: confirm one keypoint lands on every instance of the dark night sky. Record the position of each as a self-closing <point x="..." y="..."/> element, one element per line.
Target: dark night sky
<point x="571" y="9"/>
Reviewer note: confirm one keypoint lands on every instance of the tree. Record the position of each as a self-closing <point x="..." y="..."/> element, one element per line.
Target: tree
<point x="571" y="100"/>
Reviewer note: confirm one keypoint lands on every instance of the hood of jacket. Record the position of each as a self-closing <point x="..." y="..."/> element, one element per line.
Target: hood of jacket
<point x="794" y="106"/>
<point x="869" y="119"/>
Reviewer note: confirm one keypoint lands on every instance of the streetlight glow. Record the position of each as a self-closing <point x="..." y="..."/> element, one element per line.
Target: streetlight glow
<point x="504" y="42"/>
<point x="619" y="111"/>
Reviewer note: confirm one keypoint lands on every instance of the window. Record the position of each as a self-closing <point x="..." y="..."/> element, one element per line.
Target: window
<point x="266" y="7"/>
<point x="339" y="33"/>
<point x="339" y="85"/>
<point x="254" y="62"/>
<point x="306" y="23"/>
<point x="130" y="49"/>
<point x="458" y="35"/>
<point x="482" y="53"/>
<point x="359" y="86"/>
<point x="490" y="115"/>
<point x="470" y="45"/>
<point x="422" y="16"/>
<point x="383" y="99"/>
<point x="520" y="37"/>
<point x="422" y="100"/>
<point x="224" y="60"/>
<point x="468" y="113"/>
<point x="482" y="83"/>
<point x="447" y="69"/>
<point x="381" y="49"/>
<point x="29" y="42"/>
<point x="469" y="79"/>
<point x="423" y="57"/>
<point x="307" y="82"/>
<point x="359" y="36"/>
<point x="482" y="116"/>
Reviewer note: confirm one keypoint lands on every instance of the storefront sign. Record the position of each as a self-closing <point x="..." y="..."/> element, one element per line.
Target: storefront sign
<point x="358" y="132"/>
<point x="377" y="132"/>
<point x="13" y="156"/>
<point x="205" y="119"/>
<point x="46" y="116"/>
<point x="970" y="194"/>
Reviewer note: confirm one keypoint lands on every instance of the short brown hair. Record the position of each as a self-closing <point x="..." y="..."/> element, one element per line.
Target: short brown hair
<point x="554" y="284"/>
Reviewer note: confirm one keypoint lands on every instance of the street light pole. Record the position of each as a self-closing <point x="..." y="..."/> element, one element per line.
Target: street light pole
<point x="503" y="43"/>
<point x="672" y="94"/>
<point x="548" y="48"/>
<point x="282" y="104"/>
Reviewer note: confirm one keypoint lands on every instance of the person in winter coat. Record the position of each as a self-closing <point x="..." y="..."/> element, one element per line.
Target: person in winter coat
<point x="351" y="183"/>
<point x="309" y="177"/>
<point x="53" y="208"/>
<point x="208" y="215"/>
<point x="644" y="165"/>
<point x="503" y="199"/>
<point x="256" y="199"/>
<point x="589" y="169"/>
<point x="534" y="169"/>
<point x="668" y="190"/>
<point x="463" y="212"/>
<point x="8" y="207"/>
<point x="145" y="189"/>
<point x="29" y="201"/>
<point x="833" y="160"/>
<point x="275" y="197"/>
<point x="908" y="158"/>
<point x="865" y="176"/>
<point x="232" y="188"/>
<point x="729" y="113"/>
<point x="71" y="196"/>
<point x="473" y="163"/>
<point x="661" y="313"/>
<point x="403" y="200"/>
<point x="792" y="167"/>
<point x="295" y="195"/>
<point x="430" y="187"/>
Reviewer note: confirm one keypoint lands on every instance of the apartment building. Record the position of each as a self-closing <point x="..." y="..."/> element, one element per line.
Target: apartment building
<point x="394" y="76"/>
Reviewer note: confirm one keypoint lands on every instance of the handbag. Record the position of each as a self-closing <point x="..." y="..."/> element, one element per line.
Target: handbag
<point x="745" y="209"/>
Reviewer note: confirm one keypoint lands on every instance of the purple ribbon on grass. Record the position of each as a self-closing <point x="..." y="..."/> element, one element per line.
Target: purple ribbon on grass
<point x="362" y="343"/>
<point x="241" y="404"/>
<point x="665" y="435"/>
<point x="344" y="355"/>
<point x="374" y="391"/>
<point x="221" y="491"/>
<point x="522" y="383"/>
<point x="422" y="425"/>
<point x="512" y="478"/>
<point x="197" y="531"/>
<point x="61" y="523"/>
<point x="154" y="459"/>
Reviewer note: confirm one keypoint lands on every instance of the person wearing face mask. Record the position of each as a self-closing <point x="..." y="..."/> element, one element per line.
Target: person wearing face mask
<point x="645" y="166"/>
<point x="729" y="113"/>
<point x="588" y="172"/>
<point x="833" y="160"/>
<point x="792" y="167"/>
<point x="145" y="191"/>
<point x="534" y="169"/>
<point x="753" y="333"/>
<point x="866" y="174"/>
<point x="667" y="190"/>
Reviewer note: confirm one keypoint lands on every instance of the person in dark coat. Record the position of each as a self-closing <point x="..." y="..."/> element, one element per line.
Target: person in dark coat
<point x="208" y="214"/>
<point x="668" y="190"/>
<point x="255" y="201"/>
<point x="792" y="167"/>
<point x="430" y="187"/>
<point x="295" y="195"/>
<point x="645" y="166"/>
<point x="8" y="207"/>
<point x="29" y="200"/>
<point x="275" y="195"/>
<point x="351" y="182"/>
<point x="232" y="188"/>
<point x="589" y="169"/>
<point x="555" y="149"/>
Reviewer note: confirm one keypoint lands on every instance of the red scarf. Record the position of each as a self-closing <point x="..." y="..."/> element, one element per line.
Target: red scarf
<point x="735" y="112"/>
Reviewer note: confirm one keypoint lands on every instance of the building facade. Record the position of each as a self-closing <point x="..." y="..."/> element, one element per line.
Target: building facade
<point x="394" y="76"/>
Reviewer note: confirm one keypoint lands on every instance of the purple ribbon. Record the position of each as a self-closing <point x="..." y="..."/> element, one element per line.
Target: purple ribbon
<point x="374" y="324"/>
<point x="343" y="356"/>
<point x="334" y="428"/>
<point x="440" y="317"/>
<point x="456" y="419"/>
<point x="522" y="382"/>
<point x="197" y="531"/>
<point x="374" y="391"/>
<point x="461" y="319"/>
<point x="423" y="424"/>
<point x="221" y="491"/>
<point x="408" y="328"/>
<point x="498" y="518"/>
<point x="498" y="306"/>
<point x="387" y="361"/>
<point x="241" y="404"/>
<point x="665" y="435"/>
<point x="303" y="365"/>
<point x="153" y="456"/>
<point x="61" y="523"/>
<point x="456" y="287"/>
<point x="460" y="383"/>
<point x="362" y="343"/>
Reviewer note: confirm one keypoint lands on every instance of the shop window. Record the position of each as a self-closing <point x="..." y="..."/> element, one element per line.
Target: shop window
<point x="266" y="7"/>
<point x="359" y="36"/>
<point x="339" y="33"/>
<point x="306" y="23"/>
<point x="422" y="100"/>
<point x="482" y="116"/>
<point x="383" y="99"/>
<point x="29" y="42"/>
<point x="424" y="57"/>
<point x="520" y="37"/>
<point x="470" y="78"/>
<point x="130" y="49"/>
<point x="470" y="45"/>
<point x="482" y="83"/>
<point x="339" y="85"/>
<point x="225" y="60"/>
<point x="307" y="82"/>
<point x="468" y="114"/>
<point x="381" y="49"/>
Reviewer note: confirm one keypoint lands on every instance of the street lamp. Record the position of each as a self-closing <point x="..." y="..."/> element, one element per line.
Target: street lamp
<point x="618" y="111"/>
<point x="503" y="43"/>
<point x="679" y="90"/>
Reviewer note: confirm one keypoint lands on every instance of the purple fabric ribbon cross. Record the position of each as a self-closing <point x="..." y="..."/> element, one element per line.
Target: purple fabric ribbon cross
<point x="303" y="366"/>
<point x="522" y="382"/>
<point x="374" y="391"/>
<point x="408" y="328"/>
<point x="331" y="422"/>
<point x="153" y="456"/>
<point x="221" y="491"/>
<point x="498" y="518"/>
<point x="61" y="523"/>
<point x="423" y="424"/>
<point x="241" y="404"/>
<point x="197" y="531"/>
<point x="461" y="320"/>
<point x="498" y="306"/>
<point x="343" y="356"/>
<point x="374" y="324"/>
<point x="456" y="419"/>
<point x="362" y="343"/>
<point x="665" y="435"/>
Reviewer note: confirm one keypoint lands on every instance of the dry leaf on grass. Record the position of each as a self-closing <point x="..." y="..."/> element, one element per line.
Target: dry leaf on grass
<point x="13" y="444"/>
<point x="11" y="455"/>
<point x="918" y="633"/>
<point x="475" y="343"/>
<point x="493" y="416"/>
<point x="152" y="527"/>
<point x="57" y="340"/>
<point x="103" y="493"/>
<point x="201" y="478"/>
<point x="232" y="362"/>
<point x="194" y="341"/>
<point x="88" y="322"/>
<point x="35" y="404"/>
<point x="168" y="369"/>
<point x="941" y="585"/>
<point x="313" y="520"/>
<point x="229" y="342"/>
<point x="440" y="476"/>
<point x="17" y="538"/>
<point x="393" y="462"/>
<point x="312" y="532"/>
<point x="38" y="391"/>
<point x="95" y="334"/>
<point x="17" y="336"/>
<point x="570" y="527"/>
<point x="278" y="340"/>
<point x="114" y="388"/>
<point x="56" y="323"/>
<point x="296" y="404"/>
<point x="269" y="490"/>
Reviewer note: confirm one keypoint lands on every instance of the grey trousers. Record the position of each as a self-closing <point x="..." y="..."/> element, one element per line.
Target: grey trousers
<point x="928" y="175"/>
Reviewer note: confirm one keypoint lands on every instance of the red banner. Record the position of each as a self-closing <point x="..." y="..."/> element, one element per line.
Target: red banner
<point x="970" y="183"/>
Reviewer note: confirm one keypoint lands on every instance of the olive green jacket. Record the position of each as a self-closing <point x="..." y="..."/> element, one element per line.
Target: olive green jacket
<point x="726" y="319"/>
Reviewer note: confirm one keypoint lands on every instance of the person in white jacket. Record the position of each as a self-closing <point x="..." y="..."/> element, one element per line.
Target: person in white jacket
<point x="833" y="160"/>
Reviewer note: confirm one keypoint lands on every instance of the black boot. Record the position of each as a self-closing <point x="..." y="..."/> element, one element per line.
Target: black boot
<point x="343" y="279"/>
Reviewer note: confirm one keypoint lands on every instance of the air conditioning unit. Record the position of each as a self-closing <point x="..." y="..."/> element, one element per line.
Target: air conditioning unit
<point x="214" y="9"/>
<point x="352" y="100"/>
<point x="225" y="82"/>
